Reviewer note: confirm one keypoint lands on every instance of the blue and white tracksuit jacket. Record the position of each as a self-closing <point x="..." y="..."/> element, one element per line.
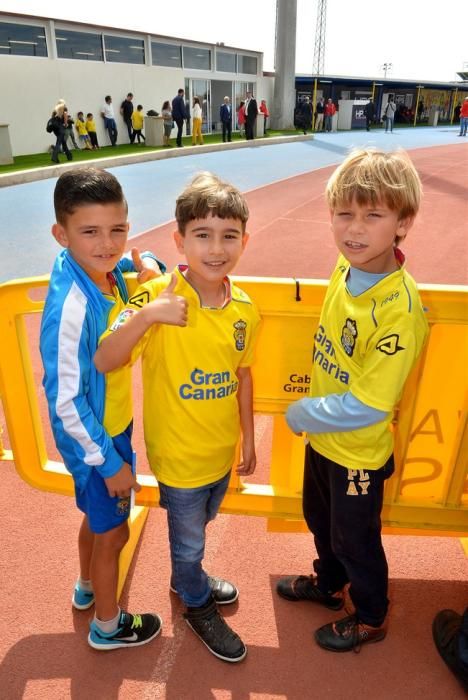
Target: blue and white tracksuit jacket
<point x="75" y="316"/>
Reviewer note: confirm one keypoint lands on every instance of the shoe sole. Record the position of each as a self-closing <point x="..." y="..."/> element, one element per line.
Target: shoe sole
<point x="123" y="645"/>
<point x="218" y="602"/>
<point x="82" y="607"/>
<point x="215" y="653"/>
<point x="360" y="644"/>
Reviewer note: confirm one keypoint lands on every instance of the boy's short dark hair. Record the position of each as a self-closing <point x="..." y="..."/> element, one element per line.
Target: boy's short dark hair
<point x="206" y="196"/>
<point x="80" y="187"/>
<point x="90" y="114"/>
<point x="139" y="106"/>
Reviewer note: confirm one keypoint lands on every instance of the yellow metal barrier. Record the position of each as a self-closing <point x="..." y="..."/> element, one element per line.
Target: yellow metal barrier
<point x="428" y="492"/>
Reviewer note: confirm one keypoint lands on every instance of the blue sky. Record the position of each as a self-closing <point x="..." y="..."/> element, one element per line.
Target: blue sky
<point x="422" y="40"/>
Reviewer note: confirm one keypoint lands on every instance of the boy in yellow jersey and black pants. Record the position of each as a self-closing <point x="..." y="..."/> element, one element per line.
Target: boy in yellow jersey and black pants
<point x="196" y="333"/>
<point x="371" y="331"/>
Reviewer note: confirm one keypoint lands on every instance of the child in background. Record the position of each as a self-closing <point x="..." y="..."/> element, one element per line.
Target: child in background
<point x="91" y="129"/>
<point x="241" y="119"/>
<point x="82" y="133"/>
<point x="137" y="123"/>
<point x="264" y="110"/>
<point x="371" y="332"/>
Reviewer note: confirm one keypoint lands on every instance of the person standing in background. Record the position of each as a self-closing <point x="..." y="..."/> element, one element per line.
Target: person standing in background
<point x="225" y="114"/>
<point x="91" y="129"/>
<point x="305" y="115"/>
<point x="179" y="114"/>
<point x="266" y="114"/>
<point x="389" y="114"/>
<point x="197" y="122"/>
<point x="137" y="124"/>
<point x="369" y="111"/>
<point x="126" y="110"/>
<point x="329" y="111"/>
<point x="464" y="117"/>
<point x="241" y="118"/>
<point x="166" y="114"/>
<point x="107" y="113"/>
<point x="319" y="110"/>
<point x="251" y="111"/>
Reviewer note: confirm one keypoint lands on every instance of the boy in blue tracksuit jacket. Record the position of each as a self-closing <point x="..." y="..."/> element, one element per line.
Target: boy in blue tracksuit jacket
<point x="91" y="413"/>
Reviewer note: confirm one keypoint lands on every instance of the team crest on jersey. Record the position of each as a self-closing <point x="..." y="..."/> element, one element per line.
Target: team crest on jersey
<point x="239" y="334"/>
<point x="122" y="318"/>
<point x="348" y="336"/>
<point x="389" y="344"/>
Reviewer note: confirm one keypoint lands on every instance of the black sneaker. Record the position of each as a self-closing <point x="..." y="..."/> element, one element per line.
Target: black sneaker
<point x="446" y="629"/>
<point x="132" y="631"/>
<point x="215" y="633"/>
<point x="347" y="634"/>
<point x="222" y="591"/>
<point x="305" y="588"/>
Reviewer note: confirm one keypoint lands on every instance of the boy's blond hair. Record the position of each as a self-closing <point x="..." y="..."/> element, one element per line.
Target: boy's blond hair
<point x="370" y="176"/>
<point x="207" y="195"/>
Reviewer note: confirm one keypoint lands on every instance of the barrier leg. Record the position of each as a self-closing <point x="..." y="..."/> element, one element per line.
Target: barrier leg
<point x="464" y="544"/>
<point x="136" y="521"/>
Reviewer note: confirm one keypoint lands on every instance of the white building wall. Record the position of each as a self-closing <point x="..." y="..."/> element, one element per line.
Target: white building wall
<point x="31" y="86"/>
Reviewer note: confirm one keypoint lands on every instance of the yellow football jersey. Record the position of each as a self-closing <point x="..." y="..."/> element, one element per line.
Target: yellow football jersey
<point x="367" y="345"/>
<point x="191" y="414"/>
<point x="118" y="411"/>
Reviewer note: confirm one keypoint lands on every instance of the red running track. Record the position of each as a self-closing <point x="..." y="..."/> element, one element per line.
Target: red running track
<point x="43" y="651"/>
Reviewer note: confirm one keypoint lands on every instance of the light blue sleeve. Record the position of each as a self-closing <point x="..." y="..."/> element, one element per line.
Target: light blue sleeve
<point x="335" y="413"/>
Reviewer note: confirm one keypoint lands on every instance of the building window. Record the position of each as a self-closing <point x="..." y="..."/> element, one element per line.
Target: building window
<point x="246" y="64"/>
<point x="225" y="62"/>
<point x="22" y="40"/>
<point x="82" y="46"/>
<point x="197" y="58"/>
<point x="120" y="49"/>
<point x="166" y="55"/>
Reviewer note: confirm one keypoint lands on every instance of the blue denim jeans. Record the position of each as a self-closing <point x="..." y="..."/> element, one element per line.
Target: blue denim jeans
<point x="188" y="513"/>
<point x="111" y="127"/>
<point x="463" y="126"/>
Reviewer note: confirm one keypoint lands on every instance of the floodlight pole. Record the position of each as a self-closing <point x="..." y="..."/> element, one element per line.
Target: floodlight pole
<point x="284" y="97"/>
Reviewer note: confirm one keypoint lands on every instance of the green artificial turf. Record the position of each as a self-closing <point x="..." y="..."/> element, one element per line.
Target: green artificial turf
<point x="40" y="160"/>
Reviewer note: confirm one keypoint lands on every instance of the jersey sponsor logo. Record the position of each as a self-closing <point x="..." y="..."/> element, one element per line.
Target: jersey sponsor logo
<point x="297" y="383"/>
<point x="391" y="297"/>
<point x="122" y="318"/>
<point x="348" y="336"/>
<point x="140" y="299"/>
<point x="204" y="386"/>
<point x="389" y="344"/>
<point x="239" y="334"/>
<point x="323" y="347"/>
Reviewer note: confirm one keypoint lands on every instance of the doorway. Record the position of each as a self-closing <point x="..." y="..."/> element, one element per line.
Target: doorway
<point x="219" y="90"/>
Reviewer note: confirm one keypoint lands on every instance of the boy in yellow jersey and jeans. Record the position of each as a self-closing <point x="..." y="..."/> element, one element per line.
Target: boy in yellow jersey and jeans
<point x="371" y="331"/>
<point x="196" y="332"/>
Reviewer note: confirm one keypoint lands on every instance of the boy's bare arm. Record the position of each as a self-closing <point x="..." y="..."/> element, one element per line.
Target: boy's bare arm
<point x="121" y="483"/>
<point x="245" y="400"/>
<point x="115" y="350"/>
